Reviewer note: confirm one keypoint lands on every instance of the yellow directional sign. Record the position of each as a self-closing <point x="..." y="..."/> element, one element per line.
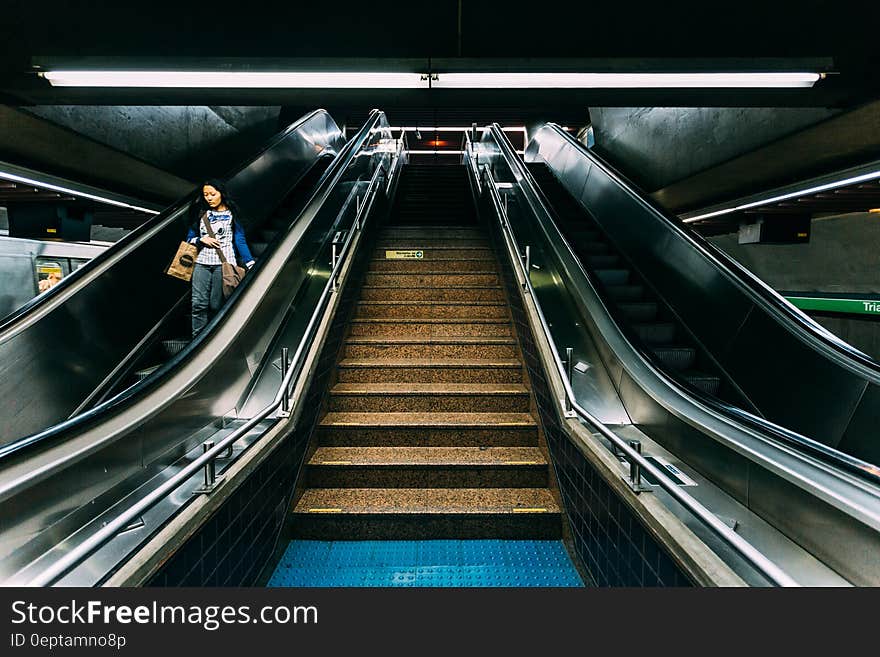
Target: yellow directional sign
<point x="410" y="254"/>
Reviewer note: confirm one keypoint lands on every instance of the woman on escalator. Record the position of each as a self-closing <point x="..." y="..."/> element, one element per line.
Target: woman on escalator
<point x="218" y="234"/>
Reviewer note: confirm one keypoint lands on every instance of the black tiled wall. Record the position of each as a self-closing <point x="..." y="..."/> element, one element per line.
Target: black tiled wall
<point x="234" y="545"/>
<point x="609" y="538"/>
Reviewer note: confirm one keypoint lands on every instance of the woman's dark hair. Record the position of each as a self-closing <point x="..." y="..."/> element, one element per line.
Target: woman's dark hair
<point x="201" y="206"/>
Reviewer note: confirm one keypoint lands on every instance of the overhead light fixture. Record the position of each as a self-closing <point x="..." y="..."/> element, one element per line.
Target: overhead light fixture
<point x="235" y="79"/>
<point x="622" y="80"/>
<point x="873" y="175"/>
<point x="5" y="175"/>
<point x="382" y="80"/>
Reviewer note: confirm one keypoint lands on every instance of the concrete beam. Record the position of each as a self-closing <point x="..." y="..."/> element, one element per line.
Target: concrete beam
<point x="841" y="141"/>
<point x="657" y="146"/>
<point x="193" y="142"/>
<point x="33" y="142"/>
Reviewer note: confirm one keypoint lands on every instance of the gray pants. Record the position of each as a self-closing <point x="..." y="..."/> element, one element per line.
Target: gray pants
<point x="207" y="294"/>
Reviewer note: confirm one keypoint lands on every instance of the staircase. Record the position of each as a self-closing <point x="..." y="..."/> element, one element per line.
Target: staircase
<point x="428" y="431"/>
<point x="646" y="318"/>
<point x="431" y="195"/>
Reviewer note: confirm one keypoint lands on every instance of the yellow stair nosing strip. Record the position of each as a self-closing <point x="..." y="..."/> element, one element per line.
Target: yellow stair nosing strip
<point x="530" y="510"/>
<point x="325" y="510"/>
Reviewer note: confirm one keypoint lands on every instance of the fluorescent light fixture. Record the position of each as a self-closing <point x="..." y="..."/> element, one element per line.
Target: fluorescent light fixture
<point x="446" y="152"/>
<point x="518" y="128"/>
<point x="384" y="80"/>
<point x="66" y="190"/>
<point x="621" y="80"/>
<point x="236" y="79"/>
<point x="873" y="175"/>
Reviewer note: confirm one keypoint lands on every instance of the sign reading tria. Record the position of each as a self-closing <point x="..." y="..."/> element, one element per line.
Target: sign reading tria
<point x="849" y="306"/>
<point x="410" y="254"/>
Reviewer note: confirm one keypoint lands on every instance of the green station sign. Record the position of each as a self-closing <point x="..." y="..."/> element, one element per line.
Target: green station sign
<point x="832" y="305"/>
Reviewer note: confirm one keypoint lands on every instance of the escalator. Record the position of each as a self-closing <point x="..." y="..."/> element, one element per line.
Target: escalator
<point x="81" y="342"/>
<point x="755" y="353"/>
<point x="173" y="334"/>
<point x="665" y="346"/>
<point x="62" y="486"/>
<point x="649" y="321"/>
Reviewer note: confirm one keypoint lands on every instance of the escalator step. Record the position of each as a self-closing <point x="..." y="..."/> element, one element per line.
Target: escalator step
<point x="591" y="248"/>
<point x="704" y="382"/>
<point x="602" y="261"/>
<point x="581" y="234"/>
<point x="644" y="311"/>
<point x="174" y="347"/>
<point x="257" y="248"/>
<point x="267" y="234"/>
<point x="140" y="375"/>
<point x="613" y="276"/>
<point x="625" y="292"/>
<point x="676" y="358"/>
<point x="655" y="332"/>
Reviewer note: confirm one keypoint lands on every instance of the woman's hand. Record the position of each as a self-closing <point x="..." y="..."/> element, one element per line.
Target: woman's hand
<point x="213" y="242"/>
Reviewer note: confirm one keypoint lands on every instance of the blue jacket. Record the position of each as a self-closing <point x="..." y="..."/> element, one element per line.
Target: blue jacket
<point x="239" y="243"/>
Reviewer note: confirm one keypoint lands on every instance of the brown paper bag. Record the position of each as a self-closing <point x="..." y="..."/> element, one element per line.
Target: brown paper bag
<point x="183" y="262"/>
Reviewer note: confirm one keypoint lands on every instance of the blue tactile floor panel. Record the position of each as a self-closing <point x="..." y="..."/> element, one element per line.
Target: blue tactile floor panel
<point x="426" y="563"/>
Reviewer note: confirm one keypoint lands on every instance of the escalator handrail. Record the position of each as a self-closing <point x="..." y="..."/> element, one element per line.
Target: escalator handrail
<point x="93" y="415"/>
<point x="71" y="284"/>
<point x="82" y="551"/>
<point x="758" y="560"/>
<point x="832" y="457"/>
<point x="798" y="323"/>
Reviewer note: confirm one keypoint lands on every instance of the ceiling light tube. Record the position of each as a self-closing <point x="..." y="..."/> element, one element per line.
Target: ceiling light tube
<point x="873" y="175"/>
<point x="386" y="80"/>
<point x="235" y="79"/>
<point x="622" y="80"/>
<point x="79" y="194"/>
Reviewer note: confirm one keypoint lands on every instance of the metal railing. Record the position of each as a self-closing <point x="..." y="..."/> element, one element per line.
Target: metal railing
<point x="205" y="462"/>
<point x="569" y="404"/>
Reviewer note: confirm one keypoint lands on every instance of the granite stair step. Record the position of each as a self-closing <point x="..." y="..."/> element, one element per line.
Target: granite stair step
<point x="429" y="398"/>
<point x="413" y="370"/>
<point x="439" y="232"/>
<point x="428" y="430"/>
<point x="433" y="252"/>
<point x="449" y="327"/>
<point x="426" y="513"/>
<point x="427" y="467"/>
<point x="368" y="347"/>
<point x="433" y="265"/>
<point x="425" y="243"/>
<point x="432" y="309"/>
<point x="446" y="294"/>
<point x="432" y="278"/>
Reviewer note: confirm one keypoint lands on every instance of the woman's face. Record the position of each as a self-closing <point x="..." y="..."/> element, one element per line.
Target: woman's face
<point x="212" y="197"/>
